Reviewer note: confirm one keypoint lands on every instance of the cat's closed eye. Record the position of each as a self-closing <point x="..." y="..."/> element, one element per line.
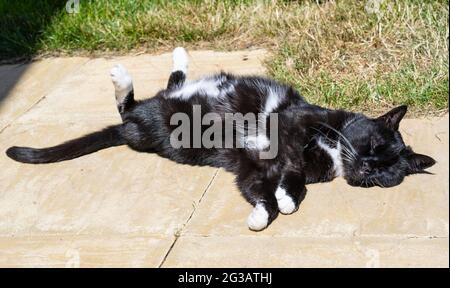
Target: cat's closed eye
<point x="377" y="145"/>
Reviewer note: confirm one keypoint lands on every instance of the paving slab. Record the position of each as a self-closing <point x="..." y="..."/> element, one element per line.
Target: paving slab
<point x="265" y="251"/>
<point x="24" y="85"/>
<point x="119" y="208"/>
<point x="88" y="95"/>
<point x="85" y="251"/>
<point x="112" y="208"/>
<point x="416" y="209"/>
<point x="113" y="191"/>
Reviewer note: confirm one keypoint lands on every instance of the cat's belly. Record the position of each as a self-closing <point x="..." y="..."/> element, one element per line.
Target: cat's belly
<point x="218" y="86"/>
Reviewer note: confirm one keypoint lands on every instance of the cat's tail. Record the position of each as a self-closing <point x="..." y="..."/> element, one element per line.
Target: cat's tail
<point x="108" y="137"/>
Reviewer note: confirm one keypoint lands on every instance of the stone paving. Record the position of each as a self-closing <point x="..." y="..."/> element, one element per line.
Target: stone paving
<point x="119" y="208"/>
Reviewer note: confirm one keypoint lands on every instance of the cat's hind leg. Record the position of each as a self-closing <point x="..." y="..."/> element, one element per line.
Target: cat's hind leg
<point x="260" y="192"/>
<point x="123" y="84"/>
<point x="180" y="66"/>
<point x="290" y="192"/>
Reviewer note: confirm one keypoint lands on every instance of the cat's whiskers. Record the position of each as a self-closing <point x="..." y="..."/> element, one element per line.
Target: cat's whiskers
<point x="379" y="183"/>
<point x="350" y="146"/>
<point x="346" y="152"/>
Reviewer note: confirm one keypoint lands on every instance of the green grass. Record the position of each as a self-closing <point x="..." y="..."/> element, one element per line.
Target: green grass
<point x="341" y="54"/>
<point x="22" y="24"/>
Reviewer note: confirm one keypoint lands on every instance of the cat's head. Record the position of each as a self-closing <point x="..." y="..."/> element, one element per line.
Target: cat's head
<point x="374" y="153"/>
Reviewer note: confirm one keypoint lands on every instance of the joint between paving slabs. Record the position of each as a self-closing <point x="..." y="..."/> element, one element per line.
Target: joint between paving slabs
<point x="178" y="232"/>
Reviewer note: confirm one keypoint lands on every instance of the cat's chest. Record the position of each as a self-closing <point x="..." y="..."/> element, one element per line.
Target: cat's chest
<point x="334" y="152"/>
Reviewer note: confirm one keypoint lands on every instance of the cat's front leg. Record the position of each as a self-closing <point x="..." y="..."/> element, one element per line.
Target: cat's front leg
<point x="290" y="192"/>
<point x="260" y="192"/>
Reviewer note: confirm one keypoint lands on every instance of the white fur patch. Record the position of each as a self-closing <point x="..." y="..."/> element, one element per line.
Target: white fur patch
<point x="259" y="142"/>
<point x="285" y="203"/>
<point x="207" y="86"/>
<point x="274" y="99"/>
<point x="227" y="90"/>
<point x="335" y="155"/>
<point x="259" y="218"/>
<point x="122" y="81"/>
<point x="180" y="60"/>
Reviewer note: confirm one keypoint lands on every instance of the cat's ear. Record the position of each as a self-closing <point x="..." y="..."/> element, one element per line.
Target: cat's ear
<point x="392" y="118"/>
<point x="419" y="162"/>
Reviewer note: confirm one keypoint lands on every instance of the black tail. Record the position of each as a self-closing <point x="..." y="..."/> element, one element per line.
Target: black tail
<point x="87" y="144"/>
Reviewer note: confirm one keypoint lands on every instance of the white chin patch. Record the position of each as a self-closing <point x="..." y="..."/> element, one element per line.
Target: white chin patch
<point x="259" y="218"/>
<point x="180" y="60"/>
<point x="122" y="81"/>
<point x="285" y="203"/>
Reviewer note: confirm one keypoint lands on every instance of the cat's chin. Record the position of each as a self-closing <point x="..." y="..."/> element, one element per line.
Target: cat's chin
<point x="369" y="183"/>
<point x="358" y="183"/>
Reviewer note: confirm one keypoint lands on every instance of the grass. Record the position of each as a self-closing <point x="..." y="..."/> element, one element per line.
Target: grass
<point x="343" y="54"/>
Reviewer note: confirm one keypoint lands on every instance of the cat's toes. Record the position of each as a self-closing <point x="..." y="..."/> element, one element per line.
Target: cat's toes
<point x="121" y="79"/>
<point x="259" y="218"/>
<point x="286" y="204"/>
<point x="180" y="60"/>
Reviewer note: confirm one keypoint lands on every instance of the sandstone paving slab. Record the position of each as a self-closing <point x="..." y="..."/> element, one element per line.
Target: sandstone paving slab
<point x="23" y="85"/>
<point x="115" y="194"/>
<point x="416" y="208"/>
<point x="73" y="251"/>
<point x="88" y="95"/>
<point x="269" y="251"/>
<point x="224" y="212"/>
<point x="115" y="190"/>
<point x="125" y="206"/>
<point x="336" y="226"/>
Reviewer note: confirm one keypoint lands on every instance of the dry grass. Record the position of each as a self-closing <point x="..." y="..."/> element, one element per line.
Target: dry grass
<point x="341" y="54"/>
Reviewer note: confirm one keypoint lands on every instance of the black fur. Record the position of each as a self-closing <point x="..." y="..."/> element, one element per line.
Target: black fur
<point x="176" y="80"/>
<point x="90" y="143"/>
<point x="374" y="152"/>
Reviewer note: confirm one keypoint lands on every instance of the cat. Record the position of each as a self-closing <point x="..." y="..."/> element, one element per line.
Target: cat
<point x="315" y="144"/>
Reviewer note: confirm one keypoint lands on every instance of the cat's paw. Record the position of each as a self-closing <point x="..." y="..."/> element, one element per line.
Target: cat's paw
<point x="259" y="218"/>
<point x="121" y="79"/>
<point x="180" y="60"/>
<point x="286" y="204"/>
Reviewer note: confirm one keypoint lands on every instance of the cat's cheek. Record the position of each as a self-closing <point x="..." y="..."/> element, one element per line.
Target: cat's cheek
<point x="285" y="203"/>
<point x="259" y="218"/>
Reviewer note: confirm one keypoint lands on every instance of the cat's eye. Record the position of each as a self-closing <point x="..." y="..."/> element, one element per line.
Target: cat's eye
<point x="376" y="146"/>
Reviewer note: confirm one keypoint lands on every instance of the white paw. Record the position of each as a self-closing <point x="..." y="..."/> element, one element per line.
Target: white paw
<point x="259" y="218"/>
<point x="122" y="80"/>
<point x="180" y="60"/>
<point x="285" y="203"/>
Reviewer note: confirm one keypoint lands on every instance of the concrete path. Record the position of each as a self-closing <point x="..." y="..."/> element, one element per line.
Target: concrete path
<point x="121" y="208"/>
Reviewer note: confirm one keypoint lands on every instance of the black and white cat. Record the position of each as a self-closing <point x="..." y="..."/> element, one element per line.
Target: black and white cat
<point x="315" y="144"/>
